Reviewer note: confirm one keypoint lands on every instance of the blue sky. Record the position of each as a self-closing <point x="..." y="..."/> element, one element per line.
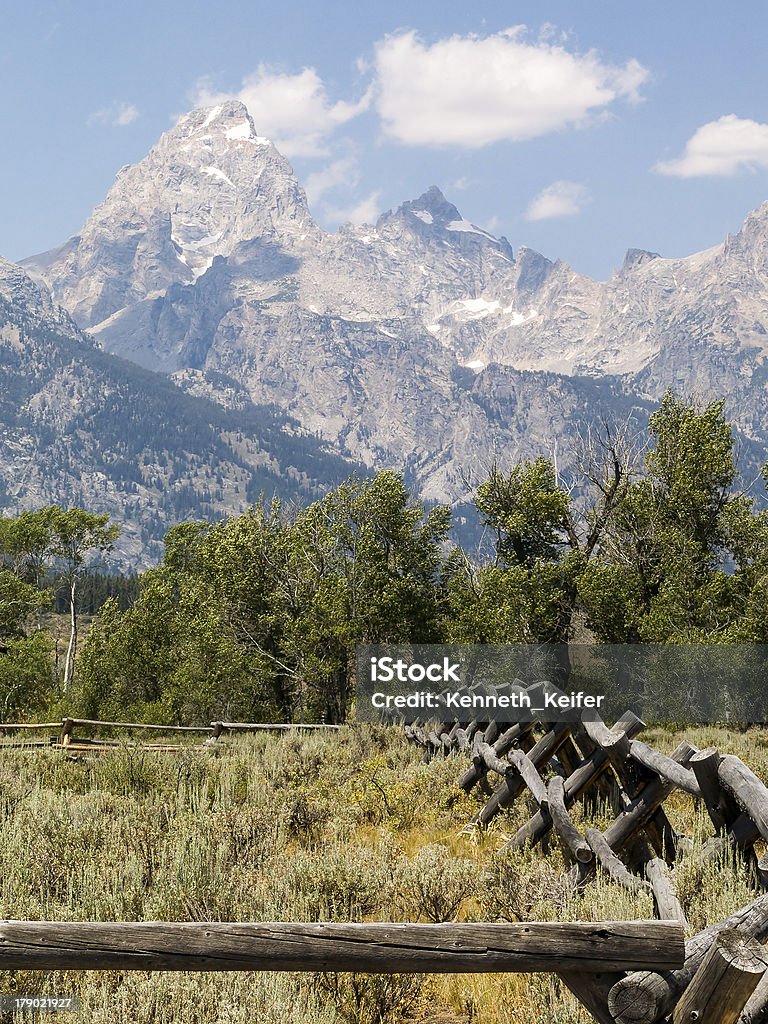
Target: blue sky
<point x="597" y="127"/>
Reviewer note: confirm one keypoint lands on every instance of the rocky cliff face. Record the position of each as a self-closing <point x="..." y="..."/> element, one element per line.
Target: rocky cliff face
<point x="209" y="184"/>
<point x="421" y="341"/>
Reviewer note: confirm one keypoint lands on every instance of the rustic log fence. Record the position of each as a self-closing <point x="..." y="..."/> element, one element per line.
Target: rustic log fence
<point x="635" y="972"/>
<point x="64" y="732"/>
<point x="557" y="763"/>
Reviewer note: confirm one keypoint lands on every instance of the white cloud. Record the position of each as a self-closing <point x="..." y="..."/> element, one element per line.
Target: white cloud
<point x="459" y="184"/>
<point x="366" y="211"/>
<point x="722" y="148"/>
<point x="118" y="115"/>
<point x="293" y="110"/>
<point x="342" y="173"/>
<point x="471" y="90"/>
<point x="560" y="199"/>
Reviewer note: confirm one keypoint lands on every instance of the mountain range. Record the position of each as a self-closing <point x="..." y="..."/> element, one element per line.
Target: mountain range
<point x="421" y="342"/>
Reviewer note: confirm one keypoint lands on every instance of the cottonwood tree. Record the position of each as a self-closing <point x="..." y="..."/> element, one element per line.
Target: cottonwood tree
<point x="75" y="536"/>
<point x="26" y="671"/>
<point x="544" y="540"/>
<point x="260" y="613"/>
<point x="678" y="561"/>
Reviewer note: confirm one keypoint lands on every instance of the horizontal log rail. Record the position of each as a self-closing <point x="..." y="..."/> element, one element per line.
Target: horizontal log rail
<point x="66" y="727"/>
<point x="13" y="726"/>
<point x="589" y="947"/>
<point x="155" y="727"/>
<point x="276" y="726"/>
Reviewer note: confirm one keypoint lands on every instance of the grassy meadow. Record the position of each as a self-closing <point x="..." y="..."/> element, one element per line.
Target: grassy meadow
<point x="304" y="827"/>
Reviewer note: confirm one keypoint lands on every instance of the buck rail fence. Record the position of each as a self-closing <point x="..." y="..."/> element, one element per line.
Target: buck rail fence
<point x="65" y="732"/>
<point x="722" y="980"/>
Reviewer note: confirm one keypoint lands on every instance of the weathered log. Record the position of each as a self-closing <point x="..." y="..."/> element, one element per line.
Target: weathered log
<point x="564" y="827"/>
<point x="616" y="869"/>
<point x="465" y="737"/>
<point x="721" y="807"/>
<point x="762" y="869"/>
<point x="569" y="756"/>
<point x="13" y="726"/>
<point x="434" y="741"/>
<point x="616" y="745"/>
<point x="645" y="804"/>
<point x="67" y="725"/>
<point x="525" y="766"/>
<point x="646" y="997"/>
<point x="756" y="1009"/>
<point x="592" y="992"/>
<point x="727" y="977"/>
<point x="665" y="766"/>
<point x="382" y="948"/>
<point x="605" y="785"/>
<point x="513" y="785"/>
<point x="668" y="906"/>
<point x="537" y="827"/>
<point x="491" y="732"/>
<point x="138" y="725"/>
<point x="491" y="761"/>
<point x="504" y="743"/>
<point x="748" y="790"/>
<point x="664" y="839"/>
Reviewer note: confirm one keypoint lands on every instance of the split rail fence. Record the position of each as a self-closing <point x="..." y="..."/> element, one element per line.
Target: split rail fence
<point x="723" y="979"/>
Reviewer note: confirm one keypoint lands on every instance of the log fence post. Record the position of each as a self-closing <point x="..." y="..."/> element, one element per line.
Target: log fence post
<point x="727" y="977"/>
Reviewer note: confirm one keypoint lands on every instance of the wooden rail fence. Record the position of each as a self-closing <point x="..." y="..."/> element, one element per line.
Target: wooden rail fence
<point x="65" y="731"/>
<point x="723" y="979"/>
<point x="632" y="972"/>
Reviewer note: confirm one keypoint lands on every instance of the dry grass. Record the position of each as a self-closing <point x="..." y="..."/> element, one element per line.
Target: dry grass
<point x="349" y="827"/>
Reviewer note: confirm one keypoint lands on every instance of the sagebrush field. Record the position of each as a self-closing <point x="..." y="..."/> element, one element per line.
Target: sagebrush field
<point x="347" y="827"/>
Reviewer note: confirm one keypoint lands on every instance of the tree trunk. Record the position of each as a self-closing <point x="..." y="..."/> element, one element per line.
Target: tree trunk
<point x="69" y="664"/>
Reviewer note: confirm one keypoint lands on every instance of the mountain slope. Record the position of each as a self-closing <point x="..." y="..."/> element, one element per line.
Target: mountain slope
<point x="80" y="426"/>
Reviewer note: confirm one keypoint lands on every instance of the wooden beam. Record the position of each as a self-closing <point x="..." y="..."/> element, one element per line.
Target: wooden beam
<point x="381" y="948"/>
<point x="615" y="868"/>
<point x="564" y="826"/>
<point x="749" y="791"/>
<point x="575" y="786"/>
<point x="668" y="905"/>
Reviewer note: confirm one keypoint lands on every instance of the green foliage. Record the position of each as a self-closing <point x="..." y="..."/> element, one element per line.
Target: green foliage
<point x="26" y="676"/>
<point x="257" y="617"/>
<point x="665" y="572"/>
<point x="434" y="884"/>
<point x="18" y="600"/>
<point x="527" y="510"/>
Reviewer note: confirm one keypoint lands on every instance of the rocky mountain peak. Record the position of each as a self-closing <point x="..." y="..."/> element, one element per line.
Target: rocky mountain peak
<point x="431" y="208"/>
<point x="23" y="301"/>
<point x="227" y="117"/>
<point x="636" y="257"/>
<point x="209" y="184"/>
